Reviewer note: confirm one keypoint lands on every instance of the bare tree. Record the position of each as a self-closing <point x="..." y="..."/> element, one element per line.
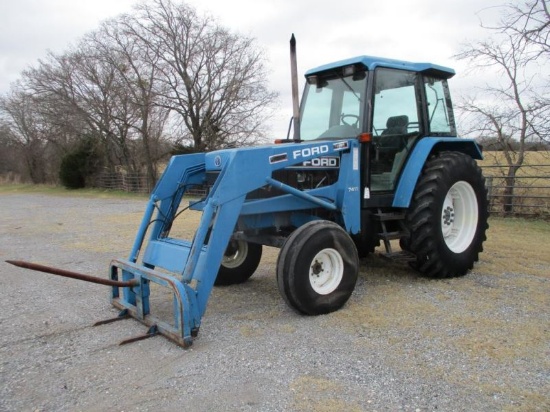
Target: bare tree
<point x="529" y="22"/>
<point x="24" y="131"/>
<point x="81" y="84"/>
<point x="213" y="79"/>
<point x="136" y="65"/>
<point x="515" y="105"/>
<point x="123" y="86"/>
<point x="9" y="154"/>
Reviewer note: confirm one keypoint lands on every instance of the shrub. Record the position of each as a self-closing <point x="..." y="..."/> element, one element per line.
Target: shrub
<point x="78" y="165"/>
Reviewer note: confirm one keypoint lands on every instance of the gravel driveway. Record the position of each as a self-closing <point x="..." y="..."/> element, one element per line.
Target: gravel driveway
<point x="478" y="343"/>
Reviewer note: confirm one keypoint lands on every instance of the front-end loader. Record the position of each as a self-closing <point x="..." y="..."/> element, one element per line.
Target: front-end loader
<point x="374" y="157"/>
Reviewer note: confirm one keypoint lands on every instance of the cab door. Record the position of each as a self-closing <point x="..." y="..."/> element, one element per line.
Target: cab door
<point x="395" y="127"/>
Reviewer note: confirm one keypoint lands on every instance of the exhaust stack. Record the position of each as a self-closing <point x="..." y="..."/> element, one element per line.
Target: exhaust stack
<point x="294" y="80"/>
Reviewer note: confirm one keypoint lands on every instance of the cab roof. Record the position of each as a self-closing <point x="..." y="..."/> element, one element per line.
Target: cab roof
<point x="371" y="63"/>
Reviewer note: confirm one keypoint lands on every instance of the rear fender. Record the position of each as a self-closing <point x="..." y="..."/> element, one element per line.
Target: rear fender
<point x="418" y="157"/>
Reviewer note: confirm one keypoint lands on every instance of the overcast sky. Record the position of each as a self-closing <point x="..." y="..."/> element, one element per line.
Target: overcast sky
<point x="416" y="30"/>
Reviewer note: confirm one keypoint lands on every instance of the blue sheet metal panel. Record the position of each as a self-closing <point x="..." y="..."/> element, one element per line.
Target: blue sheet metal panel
<point x="244" y="170"/>
<point x="372" y="62"/>
<point x="169" y="254"/>
<point x="417" y="159"/>
<point x="305" y="195"/>
<point x="285" y="203"/>
<point x="262" y="159"/>
<point x="349" y="193"/>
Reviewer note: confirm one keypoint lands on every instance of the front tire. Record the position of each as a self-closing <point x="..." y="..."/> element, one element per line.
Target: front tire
<point x="317" y="268"/>
<point x="447" y="218"/>
<point x="240" y="261"/>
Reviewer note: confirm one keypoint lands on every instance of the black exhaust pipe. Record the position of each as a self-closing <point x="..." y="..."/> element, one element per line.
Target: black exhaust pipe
<point x="295" y="97"/>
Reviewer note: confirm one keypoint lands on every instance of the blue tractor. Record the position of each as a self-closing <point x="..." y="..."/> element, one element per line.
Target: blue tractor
<point x="374" y="158"/>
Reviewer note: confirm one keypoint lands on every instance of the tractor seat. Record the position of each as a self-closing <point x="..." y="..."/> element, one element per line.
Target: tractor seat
<point x="390" y="142"/>
<point x="396" y="125"/>
<point x="392" y="138"/>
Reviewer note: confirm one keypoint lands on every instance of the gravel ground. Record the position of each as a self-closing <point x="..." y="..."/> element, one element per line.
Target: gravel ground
<point x="401" y="343"/>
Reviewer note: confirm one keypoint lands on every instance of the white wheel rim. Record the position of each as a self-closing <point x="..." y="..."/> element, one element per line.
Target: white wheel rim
<point x="326" y="271"/>
<point x="237" y="258"/>
<point x="459" y="217"/>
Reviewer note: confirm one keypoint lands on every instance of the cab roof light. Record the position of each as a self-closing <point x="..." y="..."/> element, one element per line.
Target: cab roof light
<point x="349" y="70"/>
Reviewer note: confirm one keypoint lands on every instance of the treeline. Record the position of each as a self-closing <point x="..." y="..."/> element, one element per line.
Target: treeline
<point x="144" y="84"/>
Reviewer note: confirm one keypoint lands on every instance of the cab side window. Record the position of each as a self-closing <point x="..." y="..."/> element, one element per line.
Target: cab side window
<point x="395" y="124"/>
<point x="440" y="113"/>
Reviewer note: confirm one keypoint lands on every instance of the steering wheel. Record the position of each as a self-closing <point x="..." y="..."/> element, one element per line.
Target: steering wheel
<point x="343" y="118"/>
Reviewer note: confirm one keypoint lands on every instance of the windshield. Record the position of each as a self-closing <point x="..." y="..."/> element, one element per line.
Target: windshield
<point x="333" y="109"/>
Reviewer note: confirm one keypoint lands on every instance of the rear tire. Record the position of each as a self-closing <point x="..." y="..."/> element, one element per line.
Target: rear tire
<point x="317" y="268"/>
<point x="447" y="218"/>
<point x="240" y="261"/>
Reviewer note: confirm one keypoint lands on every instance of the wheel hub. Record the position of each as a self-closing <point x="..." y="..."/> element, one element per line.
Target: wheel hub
<point x="326" y="271"/>
<point x="317" y="268"/>
<point x="448" y="216"/>
<point x="459" y="217"/>
<point x="235" y="254"/>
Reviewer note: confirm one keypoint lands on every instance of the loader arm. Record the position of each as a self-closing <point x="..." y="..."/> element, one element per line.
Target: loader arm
<point x="194" y="264"/>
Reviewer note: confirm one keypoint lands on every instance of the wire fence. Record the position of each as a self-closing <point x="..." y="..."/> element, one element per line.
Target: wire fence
<point x="527" y="195"/>
<point x="135" y="182"/>
<point x="126" y="182"/>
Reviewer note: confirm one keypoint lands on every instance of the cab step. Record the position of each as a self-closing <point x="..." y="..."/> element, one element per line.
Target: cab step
<point x="391" y="235"/>
<point x="387" y="216"/>
<point x="401" y="256"/>
<point x="397" y="220"/>
<point x="399" y="231"/>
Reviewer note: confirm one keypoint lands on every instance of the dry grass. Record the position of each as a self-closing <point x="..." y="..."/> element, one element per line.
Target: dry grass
<point x="317" y="394"/>
<point x="531" y="158"/>
<point x="533" y="179"/>
<point x="517" y="246"/>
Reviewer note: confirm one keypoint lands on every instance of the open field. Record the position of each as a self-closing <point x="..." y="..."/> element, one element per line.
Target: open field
<point x="481" y="342"/>
<point x="531" y="158"/>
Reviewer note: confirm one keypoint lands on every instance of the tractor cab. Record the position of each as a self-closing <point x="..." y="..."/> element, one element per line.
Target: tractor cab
<point x="391" y="103"/>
